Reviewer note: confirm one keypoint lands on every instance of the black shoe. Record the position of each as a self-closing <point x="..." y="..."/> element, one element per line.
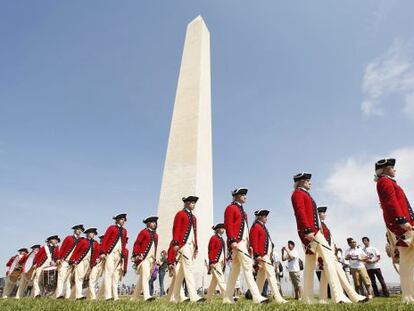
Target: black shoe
<point x="236" y="298"/>
<point x="61" y="297"/>
<point x="109" y="299"/>
<point x="150" y="299"/>
<point x="81" y="298"/>
<point x="365" y="300"/>
<point x="265" y="301"/>
<point x="201" y="300"/>
<point x="38" y="296"/>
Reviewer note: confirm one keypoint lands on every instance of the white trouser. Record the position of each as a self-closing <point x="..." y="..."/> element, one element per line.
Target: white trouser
<point x="144" y="276"/>
<point x="23" y="284"/>
<point x="267" y="271"/>
<point x="217" y="279"/>
<point x="185" y="271"/>
<point x="8" y="287"/>
<point x="111" y="279"/>
<point x="81" y="269"/>
<point x="63" y="280"/>
<point x="170" y="297"/>
<point x="330" y="271"/>
<point x="95" y="274"/>
<point x="407" y="271"/>
<point x="241" y="261"/>
<point x="36" y="279"/>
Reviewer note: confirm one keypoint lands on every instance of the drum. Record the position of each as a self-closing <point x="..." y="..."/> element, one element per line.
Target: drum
<point x="16" y="270"/>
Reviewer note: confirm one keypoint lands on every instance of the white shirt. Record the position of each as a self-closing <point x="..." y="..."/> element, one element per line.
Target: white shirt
<point x="293" y="265"/>
<point x="372" y="254"/>
<point x="355" y="253"/>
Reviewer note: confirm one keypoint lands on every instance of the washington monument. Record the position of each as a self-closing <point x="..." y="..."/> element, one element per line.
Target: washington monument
<point x="188" y="162"/>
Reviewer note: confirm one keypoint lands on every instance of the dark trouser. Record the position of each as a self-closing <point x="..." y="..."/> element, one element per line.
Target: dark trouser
<point x="265" y="292"/>
<point x="161" y="275"/>
<point x="318" y="274"/>
<point x="151" y="286"/>
<point x="377" y="272"/>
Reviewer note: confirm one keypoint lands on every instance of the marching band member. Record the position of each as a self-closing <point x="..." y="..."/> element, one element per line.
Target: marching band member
<point x="14" y="271"/>
<point x="97" y="265"/>
<point x="28" y="268"/>
<point x="314" y="242"/>
<point x="185" y="245"/>
<point x="144" y="257"/>
<point x="46" y="256"/>
<point x="64" y="269"/>
<point x="113" y="245"/>
<point x="399" y="219"/>
<point x="237" y="231"/>
<point x="217" y="261"/>
<point x="82" y="257"/>
<point x="262" y="245"/>
<point x="323" y="286"/>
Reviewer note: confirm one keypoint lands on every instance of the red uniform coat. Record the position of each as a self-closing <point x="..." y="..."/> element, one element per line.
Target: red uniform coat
<point x="306" y="214"/>
<point x="145" y="238"/>
<point x="111" y="237"/>
<point x="9" y="263"/>
<point x="41" y="255"/>
<point x="326" y="232"/>
<point x="81" y="250"/>
<point x="183" y="222"/>
<point x="23" y="260"/>
<point x="124" y="256"/>
<point x="215" y="249"/>
<point x="235" y="219"/>
<point x="95" y="255"/>
<point x="171" y="254"/>
<point x="68" y="245"/>
<point x="395" y="207"/>
<point x="260" y="239"/>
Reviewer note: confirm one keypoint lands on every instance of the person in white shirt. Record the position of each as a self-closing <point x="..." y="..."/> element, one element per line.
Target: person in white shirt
<point x="357" y="257"/>
<point x="373" y="267"/>
<point x="292" y="256"/>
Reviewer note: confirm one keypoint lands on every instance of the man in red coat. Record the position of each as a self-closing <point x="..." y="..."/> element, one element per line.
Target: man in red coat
<point x="262" y="245"/>
<point x="81" y="259"/>
<point x="67" y="247"/>
<point x="47" y="256"/>
<point x="96" y="270"/>
<point x="173" y="267"/>
<point x="185" y="246"/>
<point x="144" y="256"/>
<point x="14" y="271"/>
<point x="113" y="245"/>
<point x="237" y="231"/>
<point x="314" y="242"/>
<point x="399" y="219"/>
<point x="28" y="268"/>
<point x="216" y="261"/>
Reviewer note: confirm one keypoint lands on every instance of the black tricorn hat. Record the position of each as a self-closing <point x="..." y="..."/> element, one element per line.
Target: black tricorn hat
<point x="150" y="219"/>
<point x="23" y="250"/>
<point x="384" y="163"/>
<point x="119" y="216"/>
<point x="53" y="237"/>
<point x="239" y="191"/>
<point x="78" y="227"/>
<point x="301" y="176"/>
<point x="261" y="212"/>
<point x="91" y="230"/>
<point x="218" y="226"/>
<point x="35" y="246"/>
<point x="322" y="209"/>
<point x="190" y="198"/>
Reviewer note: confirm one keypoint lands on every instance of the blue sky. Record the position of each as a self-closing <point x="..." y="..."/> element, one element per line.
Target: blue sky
<point x="87" y="92"/>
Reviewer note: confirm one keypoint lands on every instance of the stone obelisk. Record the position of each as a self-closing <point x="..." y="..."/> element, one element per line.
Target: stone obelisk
<point x="188" y="163"/>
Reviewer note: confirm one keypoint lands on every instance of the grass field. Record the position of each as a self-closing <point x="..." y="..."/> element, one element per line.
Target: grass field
<point x="46" y="304"/>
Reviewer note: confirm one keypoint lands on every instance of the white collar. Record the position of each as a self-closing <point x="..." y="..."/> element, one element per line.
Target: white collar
<point x="392" y="178"/>
<point x="303" y="189"/>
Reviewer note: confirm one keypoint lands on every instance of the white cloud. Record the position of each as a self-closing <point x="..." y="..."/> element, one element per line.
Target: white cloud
<point x="392" y="73"/>
<point x="350" y="193"/>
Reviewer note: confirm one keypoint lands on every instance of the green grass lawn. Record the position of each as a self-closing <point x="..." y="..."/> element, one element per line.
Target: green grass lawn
<point x="46" y="304"/>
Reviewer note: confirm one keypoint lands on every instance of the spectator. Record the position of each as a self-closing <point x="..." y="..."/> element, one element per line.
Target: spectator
<point x="292" y="256"/>
<point x="373" y="267"/>
<point x="278" y="270"/>
<point x="162" y="270"/>
<point x="152" y="279"/>
<point x="357" y="257"/>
